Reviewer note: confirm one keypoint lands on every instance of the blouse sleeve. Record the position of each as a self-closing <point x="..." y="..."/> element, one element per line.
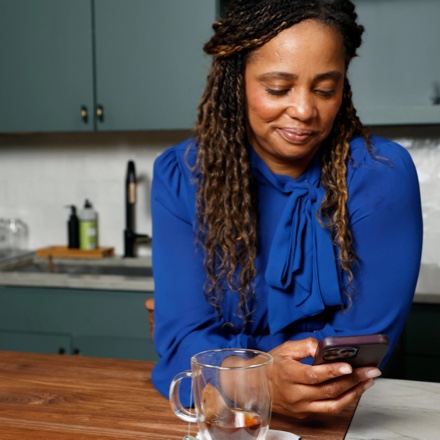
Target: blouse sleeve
<point x="386" y="224"/>
<point x="185" y="323"/>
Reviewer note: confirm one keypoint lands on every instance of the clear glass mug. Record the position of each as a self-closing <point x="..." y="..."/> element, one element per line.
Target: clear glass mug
<point x="232" y="394"/>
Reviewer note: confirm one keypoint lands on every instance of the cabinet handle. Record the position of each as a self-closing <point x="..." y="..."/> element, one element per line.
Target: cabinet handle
<point x="100" y="113"/>
<point x="436" y="99"/>
<point x="84" y="114"/>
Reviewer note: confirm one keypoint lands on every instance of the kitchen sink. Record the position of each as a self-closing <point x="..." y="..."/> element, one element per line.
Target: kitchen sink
<point x="79" y="269"/>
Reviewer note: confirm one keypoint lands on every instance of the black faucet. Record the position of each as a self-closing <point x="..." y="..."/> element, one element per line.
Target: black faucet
<point x="131" y="238"/>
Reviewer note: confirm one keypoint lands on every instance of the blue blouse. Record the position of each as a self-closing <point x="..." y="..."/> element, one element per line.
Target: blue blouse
<point x="299" y="284"/>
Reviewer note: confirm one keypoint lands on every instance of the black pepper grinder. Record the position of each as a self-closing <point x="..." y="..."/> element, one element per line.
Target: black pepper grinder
<point x="73" y="229"/>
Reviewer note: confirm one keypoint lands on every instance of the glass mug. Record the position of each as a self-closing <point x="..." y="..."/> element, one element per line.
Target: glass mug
<point x="232" y="394"/>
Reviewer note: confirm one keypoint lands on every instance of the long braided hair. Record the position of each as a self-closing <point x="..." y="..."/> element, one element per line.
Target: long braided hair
<point x="226" y="213"/>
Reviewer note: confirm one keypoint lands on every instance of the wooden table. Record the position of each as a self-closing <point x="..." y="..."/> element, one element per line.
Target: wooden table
<point x="51" y="397"/>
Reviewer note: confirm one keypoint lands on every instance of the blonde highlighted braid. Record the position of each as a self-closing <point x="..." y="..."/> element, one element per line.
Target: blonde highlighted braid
<point x="226" y="205"/>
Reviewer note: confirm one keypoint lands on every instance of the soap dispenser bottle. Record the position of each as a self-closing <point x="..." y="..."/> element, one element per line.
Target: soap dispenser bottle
<point x="88" y="227"/>
<point x="72" y="229"/>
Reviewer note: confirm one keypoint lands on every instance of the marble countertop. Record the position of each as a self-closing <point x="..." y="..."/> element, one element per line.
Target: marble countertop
<point x="397" y="409"/>
<point x="428" y="286"/>
<point x="84" y="281"/>
<point x="427" y="291"/>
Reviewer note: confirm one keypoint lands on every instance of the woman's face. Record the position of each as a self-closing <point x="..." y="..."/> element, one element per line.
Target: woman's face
<point x="294" y="87"/>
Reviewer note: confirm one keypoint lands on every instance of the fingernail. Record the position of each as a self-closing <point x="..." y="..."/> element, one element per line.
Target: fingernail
<point x="346" y="369"/>
<point x="371" y="374"/>
<point x="368" y="384"/>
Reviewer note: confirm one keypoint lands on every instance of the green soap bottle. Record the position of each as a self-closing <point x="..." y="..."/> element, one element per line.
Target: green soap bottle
<point x="88" y="227"/>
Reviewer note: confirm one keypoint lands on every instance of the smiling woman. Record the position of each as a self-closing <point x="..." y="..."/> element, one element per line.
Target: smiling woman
<point x="281" y="221"/>
<point x="294" y="87"/>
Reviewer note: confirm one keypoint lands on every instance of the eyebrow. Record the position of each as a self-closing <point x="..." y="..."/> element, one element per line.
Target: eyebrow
<point x="333" y="74"/>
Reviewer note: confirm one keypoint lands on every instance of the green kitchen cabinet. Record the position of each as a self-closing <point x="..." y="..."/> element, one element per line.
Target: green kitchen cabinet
<point x="97" y="323"/>
<point x="396" y="78"/>
<point x="85" y="65"/>
<point x="150" y="66"/>
<point x="417" y="354"/>
<point x="48" y="343"/>
<point x="422" y="342"/>
<point x="46" y="74"/>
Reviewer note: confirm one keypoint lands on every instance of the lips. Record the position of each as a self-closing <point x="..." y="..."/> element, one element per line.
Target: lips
<point x="296" y="136"/>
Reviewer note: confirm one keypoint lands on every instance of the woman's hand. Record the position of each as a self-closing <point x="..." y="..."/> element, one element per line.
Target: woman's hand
<point x="300" y="390"/>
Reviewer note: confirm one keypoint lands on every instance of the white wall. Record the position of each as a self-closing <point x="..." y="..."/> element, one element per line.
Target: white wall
<point x="426" y="156"/>
<point x="424" y="145"/>
<point x="42" y="173"/>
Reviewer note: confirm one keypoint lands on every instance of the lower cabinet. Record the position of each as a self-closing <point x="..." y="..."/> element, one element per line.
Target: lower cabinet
<point x="422" y="343"/>
<point x="101" y="323"/>
<point x="114" y="324"/>
<point x="417" y="355"/>
<point x="35" y="342"/>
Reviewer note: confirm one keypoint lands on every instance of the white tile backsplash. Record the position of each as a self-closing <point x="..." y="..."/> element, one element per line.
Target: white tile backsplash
<point x="426" y="156"/>
<point x="42" y="173"/>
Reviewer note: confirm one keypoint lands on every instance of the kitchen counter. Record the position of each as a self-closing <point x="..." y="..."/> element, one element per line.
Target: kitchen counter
<point x="428" y="286"/>
<point x="397" y="409"/>
<point x="83" y="281"/>
<point x="427" y="290"/>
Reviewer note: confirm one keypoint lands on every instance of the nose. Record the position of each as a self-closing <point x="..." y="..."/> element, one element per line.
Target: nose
<point x="302" y="105"/>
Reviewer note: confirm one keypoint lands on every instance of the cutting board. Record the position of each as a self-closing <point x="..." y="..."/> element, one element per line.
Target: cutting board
<point x="65" y="252"/>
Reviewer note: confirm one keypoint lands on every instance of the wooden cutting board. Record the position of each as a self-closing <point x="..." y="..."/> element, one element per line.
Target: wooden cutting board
<point x="65" y="252"/>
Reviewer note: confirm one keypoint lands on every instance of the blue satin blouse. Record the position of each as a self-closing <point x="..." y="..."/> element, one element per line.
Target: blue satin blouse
<point x="299" y="284"/>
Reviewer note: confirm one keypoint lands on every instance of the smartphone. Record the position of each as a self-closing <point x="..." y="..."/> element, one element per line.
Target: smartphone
<point x="358" y="351"/>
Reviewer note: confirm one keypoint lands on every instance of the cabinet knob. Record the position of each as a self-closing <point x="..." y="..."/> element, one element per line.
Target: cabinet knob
<point x="100" y="113"/>
<point x="84" y="114"/>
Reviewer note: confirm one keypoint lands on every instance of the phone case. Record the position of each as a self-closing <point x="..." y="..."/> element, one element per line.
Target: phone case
<point x="358" y="351"/>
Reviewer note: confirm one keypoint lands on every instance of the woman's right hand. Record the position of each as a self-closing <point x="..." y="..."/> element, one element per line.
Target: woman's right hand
<point x="300" y="390"/>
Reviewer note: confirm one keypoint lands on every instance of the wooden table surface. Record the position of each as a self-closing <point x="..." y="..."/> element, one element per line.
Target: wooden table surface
<point x="51" y="397"/>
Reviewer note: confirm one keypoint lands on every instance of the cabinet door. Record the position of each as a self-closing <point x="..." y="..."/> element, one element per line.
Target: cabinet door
<point x="46" y="73"/>
<point x="150" y="66"/>
<point x="422" y="337"/>
<point x="99" y="322"/>
<point x="34" y="342"/>
<point x="396" y="78"/>
<point x="114" y="347"/>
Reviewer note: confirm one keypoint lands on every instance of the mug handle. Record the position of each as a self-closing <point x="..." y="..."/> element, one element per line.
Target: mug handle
<point x="176" y="404"/>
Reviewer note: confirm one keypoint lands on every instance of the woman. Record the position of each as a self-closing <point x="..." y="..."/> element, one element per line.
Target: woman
<point x="282" y="222"/>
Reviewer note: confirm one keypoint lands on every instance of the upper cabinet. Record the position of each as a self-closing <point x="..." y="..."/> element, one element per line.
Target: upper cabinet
<point x="46" y="74"/>
<point x="396" y="78"/>
<point x="150" y="64"/>
<point x="84" y="65"/>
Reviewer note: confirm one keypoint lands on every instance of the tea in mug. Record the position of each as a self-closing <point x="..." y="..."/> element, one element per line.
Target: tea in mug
<point x="238" y="425"/>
